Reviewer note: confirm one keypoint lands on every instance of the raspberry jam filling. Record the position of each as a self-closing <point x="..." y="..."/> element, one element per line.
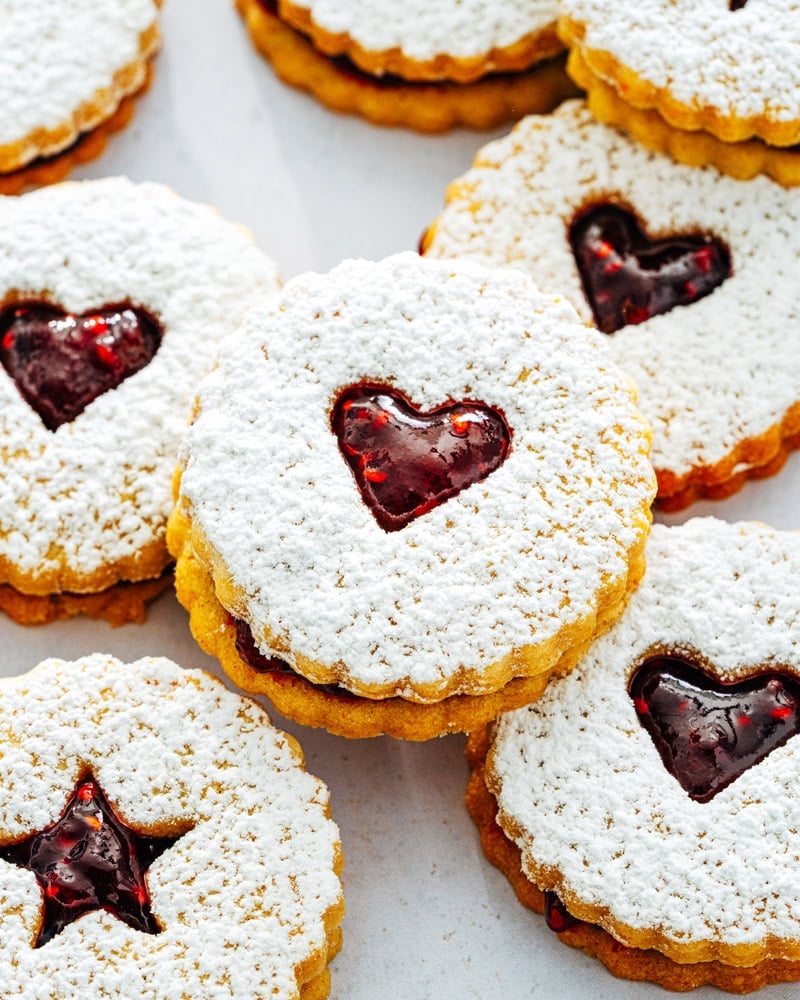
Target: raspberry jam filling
<point x="406" y="462"/>
<point x="61" y="361"/>
<point x="89" y="860"/>
<point x="628" y="276"/>
<point x="556" y="914"/>
<point x="248" y="650"/>
<point x="707" y="732"/>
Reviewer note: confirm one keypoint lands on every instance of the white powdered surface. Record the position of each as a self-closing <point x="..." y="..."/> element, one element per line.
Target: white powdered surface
<point x="55" y="56"/>
<point x="241" y="896"/>
<point x="710" y="374"/>
<point x="579" y="774"/>
<point x="422" y="29"/>
<point x="744" y="62"/>
<point x="501" y="565"/>
<point x="98" y="489"/>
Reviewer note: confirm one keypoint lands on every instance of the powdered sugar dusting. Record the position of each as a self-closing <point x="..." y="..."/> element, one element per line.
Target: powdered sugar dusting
<point x="423" y="30"/>
<point x="55" y="56"/>
<point x="709" y="374"/>
<point x="744" y="62"/>
<point x="489" y="570"/>
<point x="584" y="780"/>
<point x="99" y="488"/>
<point x="241" y="896"/>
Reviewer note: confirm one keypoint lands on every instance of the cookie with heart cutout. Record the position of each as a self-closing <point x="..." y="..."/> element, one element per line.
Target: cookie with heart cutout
<point x="113" y="299"/>
<point x="437" y="494"/>
<point x="690" y="273"/>
<point x="715" y="81"/>
<point x="68" y="73"/>
<point x="159" y="837"/>
<point x="446" y="64"/>
<point x="647" y="802"/>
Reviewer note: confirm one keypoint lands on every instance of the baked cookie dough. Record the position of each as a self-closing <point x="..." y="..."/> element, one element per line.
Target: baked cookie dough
<point x="113" y="299"/>
<point x="68" y="72"/>
<point x="648" y="801"/>
<point x="430" y="91"/>
<point x="412" y="491"/>
<point x="692" y="275"/>
<point x="159" y="837"/>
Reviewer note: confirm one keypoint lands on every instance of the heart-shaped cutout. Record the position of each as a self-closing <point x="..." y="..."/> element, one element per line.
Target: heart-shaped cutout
<point x="407" y="462"/>
<point x="709" y="733"/>
<point x="628" y="276"/>
<point x="61" y="361"/>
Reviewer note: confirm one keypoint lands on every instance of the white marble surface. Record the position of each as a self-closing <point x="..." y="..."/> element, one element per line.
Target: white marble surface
<point x="427" y="917"/>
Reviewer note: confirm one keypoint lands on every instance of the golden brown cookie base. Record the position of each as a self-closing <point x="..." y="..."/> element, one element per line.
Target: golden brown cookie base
<point x="118" y="605"/>
<point x="741" y="160"/>
<point x="622" y="961"/>
<point x="432" y="107"/>
<point x="534" y="47"/>
<point x="51" y="169"/>
<point x="360" y="716"/>
<point x="315" y="981"/>
<point x="639" y="93"/>
<point x="753" y="458"/>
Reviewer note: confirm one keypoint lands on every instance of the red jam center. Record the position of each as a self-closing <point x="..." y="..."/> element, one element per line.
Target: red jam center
<point x="708" y="733"/>
<point x="406" y="462"/>
<point x="61" y="362"/>
<point x="629" y="277"/>
<point x="89" y="860"/>
<point x="248" y="650"/>
<point x="556" y="914"/>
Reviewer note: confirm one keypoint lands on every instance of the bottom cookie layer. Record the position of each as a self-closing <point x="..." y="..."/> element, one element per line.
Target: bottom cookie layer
<point x="426" y="107"/>
<point x="622" y="961"/>
<point x="742" y="160"/>
<point x="118" y="605"/>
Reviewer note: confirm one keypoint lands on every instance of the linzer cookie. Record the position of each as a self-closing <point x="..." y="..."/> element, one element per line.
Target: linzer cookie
<point x="712" y="82"/>
<point x="113" y="299"/>
<point x="68" y="72"/>
<point x="691" y="275"/>
<point x="156" y="829"/>
<point x="412" y="491"/>
<point x="647" y="803"/>
<point x="425" y="66"/>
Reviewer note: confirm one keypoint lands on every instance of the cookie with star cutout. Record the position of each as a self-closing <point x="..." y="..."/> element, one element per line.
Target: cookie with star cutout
<point x="647" y="802"/>
<point x="156" y="828"/>
<point x="68" y="75"/>
<point x="690" y="274"/>
<point x="438" y="495"/>
<point x="710" y="82"/>
<point x="113" y="299"/>
<point x="426" y="66"/>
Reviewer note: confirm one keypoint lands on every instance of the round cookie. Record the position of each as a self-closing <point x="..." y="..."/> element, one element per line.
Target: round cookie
<point x="718" y="379"/>
<point x="67" y="72"/>
<point x="389" y="88"/>
<point x="648" y="799"/>
<point x="419" y="482"/>
<point x="742" y="160"/>
<point x="728" y="67"/>
<point x="113" y="299"/>
<point x="201" y="853"/>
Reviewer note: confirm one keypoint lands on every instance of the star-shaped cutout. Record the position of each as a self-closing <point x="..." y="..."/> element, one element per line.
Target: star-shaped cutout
<point x="89" y="860"/>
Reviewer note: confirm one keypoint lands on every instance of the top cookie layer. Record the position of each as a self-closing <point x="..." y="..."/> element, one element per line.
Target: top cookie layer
<point x="743" y="65"/>
<point x="589" y="801"/>
<point x="423" y="32"/>
<point x="242" y="897"/>
<point x="80" y="505"/>
<point x="58" y="60"/>
<point x="710" y="374"/>
<point x="509" y="562"/>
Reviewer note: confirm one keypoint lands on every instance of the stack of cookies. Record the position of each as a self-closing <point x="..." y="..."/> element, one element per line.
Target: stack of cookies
<point x="410" y="497"/>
